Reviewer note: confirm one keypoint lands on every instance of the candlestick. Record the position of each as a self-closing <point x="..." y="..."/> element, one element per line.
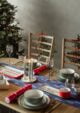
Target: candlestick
<point x="28" y="70"/>
<point x="32" y="68"/>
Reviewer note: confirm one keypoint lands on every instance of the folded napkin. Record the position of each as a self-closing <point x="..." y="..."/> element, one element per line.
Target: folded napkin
<point x="40" y="69"/>
<point x="13" y="96"/>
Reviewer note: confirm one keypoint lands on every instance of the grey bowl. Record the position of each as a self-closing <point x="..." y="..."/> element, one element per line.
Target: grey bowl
<point x="67" y="72"/>
<point x="34" y="96"/>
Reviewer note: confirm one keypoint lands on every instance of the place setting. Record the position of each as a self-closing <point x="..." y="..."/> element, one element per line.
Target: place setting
<point x="68" y="73"/>
<point x="34" y="99"/>
<point x="71" y="79"/>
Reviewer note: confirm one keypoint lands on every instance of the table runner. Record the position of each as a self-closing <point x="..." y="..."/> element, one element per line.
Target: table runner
<point x="42" y="80"/>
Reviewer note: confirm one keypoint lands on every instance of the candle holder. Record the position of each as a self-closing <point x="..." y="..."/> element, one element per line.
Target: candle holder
<point x="28" y="70"/>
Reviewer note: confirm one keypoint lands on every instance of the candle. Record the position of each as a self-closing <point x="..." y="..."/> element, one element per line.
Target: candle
<point x="31" y="68"/>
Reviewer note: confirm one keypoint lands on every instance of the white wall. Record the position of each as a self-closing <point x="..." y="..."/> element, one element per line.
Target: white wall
<point x="61" y="17"/>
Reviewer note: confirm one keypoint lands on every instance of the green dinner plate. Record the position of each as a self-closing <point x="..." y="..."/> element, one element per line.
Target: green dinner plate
<point x="61" y="80"/>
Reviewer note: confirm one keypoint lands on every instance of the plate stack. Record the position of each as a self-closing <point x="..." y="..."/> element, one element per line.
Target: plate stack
<point x="34" y="99"/>
<point x="68" y="73"/>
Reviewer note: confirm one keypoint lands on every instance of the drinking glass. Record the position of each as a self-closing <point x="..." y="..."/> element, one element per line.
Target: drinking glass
<point x="28" y="69"/>
<point x="9" y="50"/>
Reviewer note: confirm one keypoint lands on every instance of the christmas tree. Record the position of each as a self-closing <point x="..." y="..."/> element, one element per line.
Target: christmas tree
<point x="9" y="30"/>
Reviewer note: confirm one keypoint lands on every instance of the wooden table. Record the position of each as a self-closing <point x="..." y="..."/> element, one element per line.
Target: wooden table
<point x="15" y="108"/>
<point x="11" y="60"/>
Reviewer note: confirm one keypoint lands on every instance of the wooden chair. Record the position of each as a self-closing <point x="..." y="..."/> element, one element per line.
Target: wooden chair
<point x="69" y="50"/>
<point x="41" y="47"/>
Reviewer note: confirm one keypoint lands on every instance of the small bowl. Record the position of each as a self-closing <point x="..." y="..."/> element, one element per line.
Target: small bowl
<point x="2" y="82"/>
<point x="33" y="96"/>
<point x="1" y="77"/>
<point x="65" y="92"/>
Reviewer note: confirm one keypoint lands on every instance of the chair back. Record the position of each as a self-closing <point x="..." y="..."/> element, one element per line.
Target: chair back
<point x="41" y="47"/>
<point x="70" y="53"/>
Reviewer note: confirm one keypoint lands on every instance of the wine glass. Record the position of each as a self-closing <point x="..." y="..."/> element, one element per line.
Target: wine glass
<point x="50" y="63"/>
<point x="38" y="60"/>
<point x="9" y="50"/>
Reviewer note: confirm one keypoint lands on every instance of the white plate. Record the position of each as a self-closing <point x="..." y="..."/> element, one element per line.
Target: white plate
<point x="25" y="105"/>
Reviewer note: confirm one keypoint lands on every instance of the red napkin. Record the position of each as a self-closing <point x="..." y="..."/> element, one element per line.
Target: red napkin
<point x="40" y="69"/>
<point x="13" y="96"/>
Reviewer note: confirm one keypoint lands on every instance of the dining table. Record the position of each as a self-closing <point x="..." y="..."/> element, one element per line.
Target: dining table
<point x="55" y="107"/>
